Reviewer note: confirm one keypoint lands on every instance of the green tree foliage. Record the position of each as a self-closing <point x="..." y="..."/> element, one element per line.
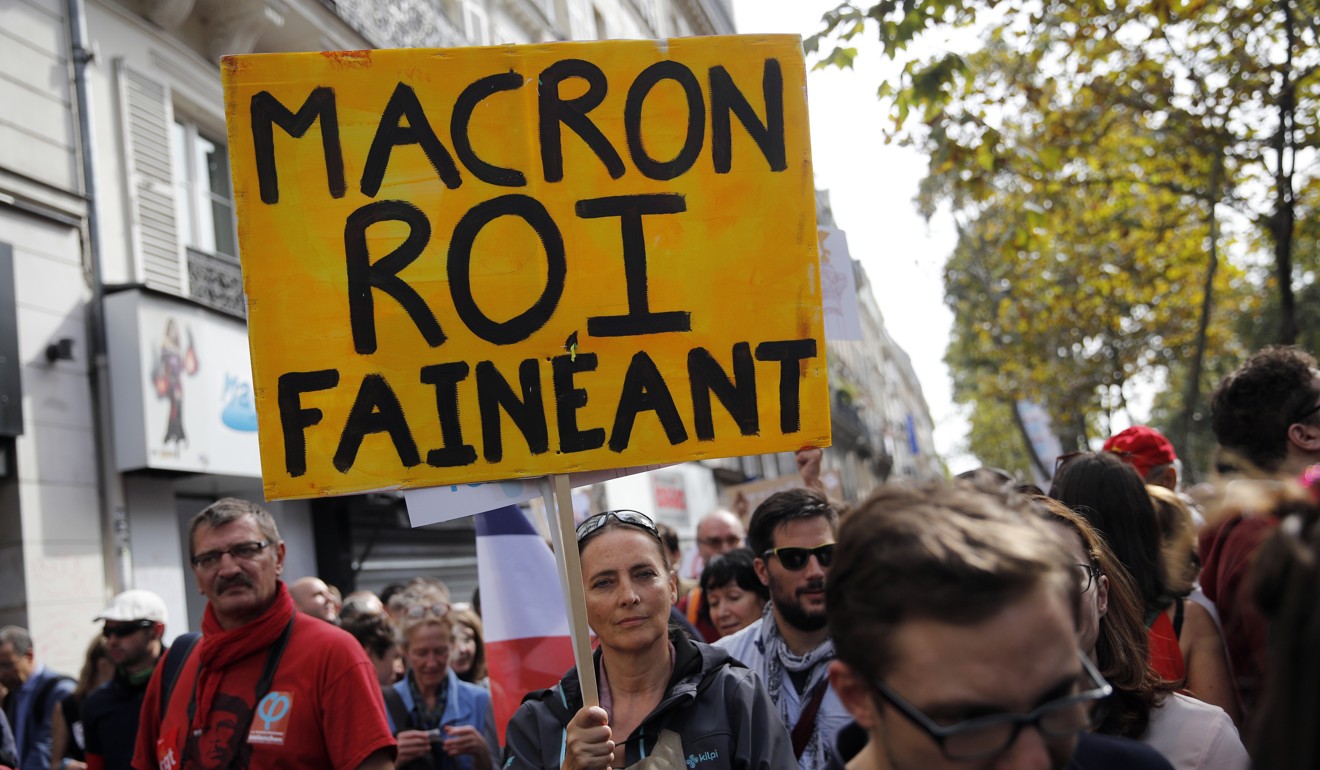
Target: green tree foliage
<point x="994" y="446"/>
<point x="1133" y="184"/>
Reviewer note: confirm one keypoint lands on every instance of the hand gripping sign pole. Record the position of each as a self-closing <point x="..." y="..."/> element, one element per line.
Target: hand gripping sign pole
<point x="559" y="510"/>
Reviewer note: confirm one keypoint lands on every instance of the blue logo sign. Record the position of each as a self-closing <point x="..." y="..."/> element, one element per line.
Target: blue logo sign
<point x="695" y="759"/>
<point x="273" y="708"/>
<point x="240" y="409"/>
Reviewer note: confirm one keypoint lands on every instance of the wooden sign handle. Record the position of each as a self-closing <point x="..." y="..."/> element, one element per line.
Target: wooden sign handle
<point x="564" y="535"/>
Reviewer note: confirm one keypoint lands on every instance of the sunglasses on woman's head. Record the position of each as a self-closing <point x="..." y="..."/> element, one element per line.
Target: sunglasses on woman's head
<point x="592" y="524"/>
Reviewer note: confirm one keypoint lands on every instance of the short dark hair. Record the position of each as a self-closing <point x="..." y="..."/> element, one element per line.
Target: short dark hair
<point x="929" y="550"/>
<point x="736" y="566"/>
<point x="1109" y="494"/>
<point x="781" y="508"/>
<point x="389" y="592"/>
<point x="667" y="536"/>
<point x="1251" y="409"/>
<point x="228" y="509"/>
<point x="376" y="633"/>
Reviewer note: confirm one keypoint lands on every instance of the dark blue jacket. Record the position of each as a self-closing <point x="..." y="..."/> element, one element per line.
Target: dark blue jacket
<point x="32" y="729"/>
<point x="110" y="721"/>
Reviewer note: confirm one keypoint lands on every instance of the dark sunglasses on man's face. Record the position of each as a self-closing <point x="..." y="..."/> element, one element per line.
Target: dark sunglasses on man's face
<point x="794" y="559"/>
<point x="127" y="629"/>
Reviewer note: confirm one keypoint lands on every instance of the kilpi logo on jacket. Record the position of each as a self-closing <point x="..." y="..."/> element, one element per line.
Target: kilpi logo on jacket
<point x="695" y="759"/>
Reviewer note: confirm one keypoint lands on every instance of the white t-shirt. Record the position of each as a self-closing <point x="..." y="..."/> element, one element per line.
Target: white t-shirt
<point x="1194" y="735"/>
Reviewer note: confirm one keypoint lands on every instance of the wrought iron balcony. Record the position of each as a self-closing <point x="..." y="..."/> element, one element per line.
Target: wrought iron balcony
<point x="216" y="281"/>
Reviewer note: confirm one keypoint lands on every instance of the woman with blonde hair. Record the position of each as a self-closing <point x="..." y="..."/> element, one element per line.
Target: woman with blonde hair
<point x="440" y="721"/>
<point x="467" y="652"/>
<point x="1205" y="659"/>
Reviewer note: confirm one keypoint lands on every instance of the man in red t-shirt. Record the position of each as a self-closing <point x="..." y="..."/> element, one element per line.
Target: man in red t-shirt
<point x="1267" y="416"/>
<point x="265" y="686"/>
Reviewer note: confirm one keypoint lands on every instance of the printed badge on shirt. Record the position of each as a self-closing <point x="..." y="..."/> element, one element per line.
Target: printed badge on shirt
<point x="165" y="757"/>
<point x="271" y="722"/>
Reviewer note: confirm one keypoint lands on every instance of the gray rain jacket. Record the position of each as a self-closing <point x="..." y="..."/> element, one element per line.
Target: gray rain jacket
<point x="718" y="708"/>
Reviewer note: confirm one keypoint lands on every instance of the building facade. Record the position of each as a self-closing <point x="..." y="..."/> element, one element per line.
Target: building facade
<point x="126" y="400"/>
<point x="125" y="392"/>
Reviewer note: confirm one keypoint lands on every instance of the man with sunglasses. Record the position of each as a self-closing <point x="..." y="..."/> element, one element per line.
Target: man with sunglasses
<point x="1266" y="418"/>
<point x="133" y="627"/>
<point x="954" y="614"/>
<point x="295" y="692"/>
<point x="792" y="535"/>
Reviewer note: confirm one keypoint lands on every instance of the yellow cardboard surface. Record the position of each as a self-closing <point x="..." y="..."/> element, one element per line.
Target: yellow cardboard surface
<point x="433" y="246"/>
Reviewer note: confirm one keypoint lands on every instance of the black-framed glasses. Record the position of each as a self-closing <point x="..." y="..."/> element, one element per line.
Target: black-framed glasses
<point x="1091" y="573"/>
<point x="1304" y="414"/>
<point x="988" y="736"/>
<point x="127" y="629"/>
<point x="242" y="552"/>
<point x="794" y="559"/>
<point x="592" y="524"/>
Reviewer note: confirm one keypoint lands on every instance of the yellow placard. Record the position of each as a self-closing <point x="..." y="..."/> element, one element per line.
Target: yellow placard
<point x="486" y="263"/>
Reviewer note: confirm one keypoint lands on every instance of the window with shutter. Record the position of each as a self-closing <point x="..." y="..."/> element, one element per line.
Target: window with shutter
<point x="153" y="224"/>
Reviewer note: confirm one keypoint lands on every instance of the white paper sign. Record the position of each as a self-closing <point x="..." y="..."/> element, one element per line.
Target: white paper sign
<point x="838" y="286"/>
<point x="433" y="505"/>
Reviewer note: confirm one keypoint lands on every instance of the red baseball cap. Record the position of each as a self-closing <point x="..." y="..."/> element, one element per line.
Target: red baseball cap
<point x="1144" y="448"/>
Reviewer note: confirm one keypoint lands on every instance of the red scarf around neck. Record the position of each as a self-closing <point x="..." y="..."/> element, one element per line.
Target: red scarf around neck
<point x="219" y="649"/>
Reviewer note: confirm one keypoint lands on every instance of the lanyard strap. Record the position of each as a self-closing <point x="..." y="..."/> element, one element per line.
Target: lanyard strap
<point x="263" y="688"/>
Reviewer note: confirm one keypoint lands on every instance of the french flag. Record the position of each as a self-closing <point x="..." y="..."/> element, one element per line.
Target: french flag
<point x="528" y="646"/>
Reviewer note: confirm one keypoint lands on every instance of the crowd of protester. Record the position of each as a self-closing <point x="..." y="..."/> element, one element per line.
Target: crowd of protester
<point x="1116" y="621"/>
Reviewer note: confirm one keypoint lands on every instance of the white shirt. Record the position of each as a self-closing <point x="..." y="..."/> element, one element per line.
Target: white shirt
<point x="1194" y="735"/>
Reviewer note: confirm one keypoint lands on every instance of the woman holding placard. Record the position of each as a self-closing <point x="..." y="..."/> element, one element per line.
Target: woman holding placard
<point x="663" y="698"/>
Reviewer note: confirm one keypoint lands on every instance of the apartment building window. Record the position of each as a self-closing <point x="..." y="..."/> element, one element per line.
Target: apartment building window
<point x="204" y="197"/>
<point x="476" y="23"/>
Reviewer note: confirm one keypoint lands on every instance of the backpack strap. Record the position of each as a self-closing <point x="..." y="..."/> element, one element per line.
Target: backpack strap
<point x="175" y="657"/>
<point x="806" y="723"/>
<point x="397" y="710"/>
<point x="39" y="705"/>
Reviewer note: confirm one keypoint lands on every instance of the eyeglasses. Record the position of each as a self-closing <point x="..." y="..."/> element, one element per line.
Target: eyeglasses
<point x="127" y="629"/>
<point x="420" y="610"/>
<point x="1063" y="460"/>
<point x="1090" y="573"/>
<point x="1303" y="415"/>
<point x="729" y="541"/>
<point x="592" y="524"/>
<point x="989" y="736"/>
<point x="241" y="552"/>
<point x="794" y="559"/>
